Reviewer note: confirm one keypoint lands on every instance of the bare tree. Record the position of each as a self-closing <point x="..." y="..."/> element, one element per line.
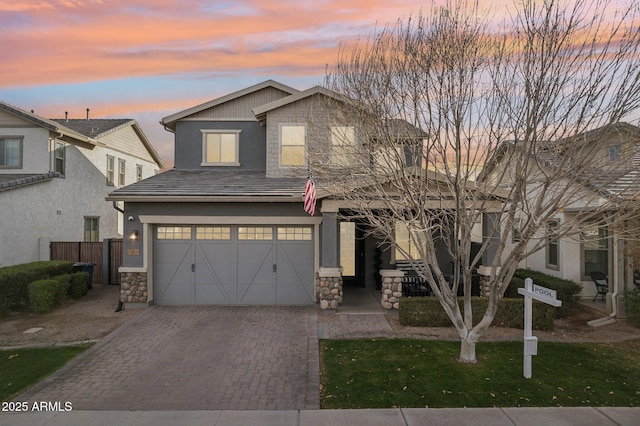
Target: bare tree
<point x="459" y="119"/>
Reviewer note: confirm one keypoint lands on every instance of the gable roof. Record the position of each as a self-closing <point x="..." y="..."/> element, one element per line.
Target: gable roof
<point x="261" y="111"/>
<point x="66" y="132"/>
<point x="100" y="127"/>
<point x="170" y="120"/>
<point x="614" y="182"/>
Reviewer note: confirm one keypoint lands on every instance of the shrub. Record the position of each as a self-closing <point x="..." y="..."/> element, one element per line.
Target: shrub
<point x="632" y="306"/>
<point x="78" y="287"/>
<point x="567" y="291"/>
<point x="42" y="295"/>
<point x="15" y="280"/>
<point x="64" y="283"/>
<point x="427" y="312"/>
<point x="512" y="290"/>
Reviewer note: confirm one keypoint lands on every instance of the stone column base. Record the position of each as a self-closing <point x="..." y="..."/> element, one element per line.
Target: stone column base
<point x="484" y="273"/>
<point x="133" y="287"/>
<point x="329" y="288"/>
<point x="391" y="288"/>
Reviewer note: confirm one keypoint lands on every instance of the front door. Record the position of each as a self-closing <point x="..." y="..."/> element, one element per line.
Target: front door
<point x="352" y="254"/>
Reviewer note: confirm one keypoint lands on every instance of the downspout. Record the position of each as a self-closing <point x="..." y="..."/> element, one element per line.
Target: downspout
<point x="115" y="206"/>
<point x="120" y="304"/>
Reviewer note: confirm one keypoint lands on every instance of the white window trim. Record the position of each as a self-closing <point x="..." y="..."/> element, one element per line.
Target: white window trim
<point x="111" y="172"/>
<point x="205" y="132"/>
<point x="21" y="141"/>
<point x="557" y="242"/>
<point x="291" y="166"/>
<point x="122" y="172"/>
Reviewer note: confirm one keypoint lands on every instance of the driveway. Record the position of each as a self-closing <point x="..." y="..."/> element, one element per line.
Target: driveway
<point x="196" y="358"/>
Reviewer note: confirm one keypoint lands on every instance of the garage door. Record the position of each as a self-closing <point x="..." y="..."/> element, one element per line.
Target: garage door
<point x="233" y="265"/>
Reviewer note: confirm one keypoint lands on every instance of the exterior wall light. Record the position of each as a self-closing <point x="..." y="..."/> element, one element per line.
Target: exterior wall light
<point x="134" y="235"/>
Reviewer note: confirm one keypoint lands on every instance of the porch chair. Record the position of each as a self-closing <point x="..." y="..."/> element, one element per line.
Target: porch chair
<point x="602" y="284"/>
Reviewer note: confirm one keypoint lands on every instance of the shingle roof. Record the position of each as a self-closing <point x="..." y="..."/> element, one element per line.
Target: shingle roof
<point x="208" y="184"/>
<point x="12" y="181"/>
<point x="93" y="127"/>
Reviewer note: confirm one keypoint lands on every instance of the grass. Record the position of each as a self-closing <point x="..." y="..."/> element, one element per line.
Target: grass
<point x="21" y="368"/>
<point x="419" y="373"/>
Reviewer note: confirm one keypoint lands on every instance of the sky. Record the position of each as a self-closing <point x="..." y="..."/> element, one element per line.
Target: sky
<point x="147" y="59"/>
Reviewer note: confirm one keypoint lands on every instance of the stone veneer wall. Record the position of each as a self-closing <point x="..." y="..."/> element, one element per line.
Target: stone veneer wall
<point x="133" y="287"/>
<point x="484" y="273"/>
<point x="391" y="288"/>
<point x="329" y="289"/>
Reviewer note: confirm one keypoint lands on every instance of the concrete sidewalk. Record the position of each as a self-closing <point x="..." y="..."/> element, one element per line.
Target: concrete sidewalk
<point x="392" y="417"/>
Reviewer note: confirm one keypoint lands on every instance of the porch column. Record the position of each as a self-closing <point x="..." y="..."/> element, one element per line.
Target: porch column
<point x="329" y="280"/>
<point x="490" y="232"/>
<point x="391" y="288"/>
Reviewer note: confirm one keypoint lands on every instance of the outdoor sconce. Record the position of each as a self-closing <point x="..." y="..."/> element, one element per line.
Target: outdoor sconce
<point x="134" y="235"/>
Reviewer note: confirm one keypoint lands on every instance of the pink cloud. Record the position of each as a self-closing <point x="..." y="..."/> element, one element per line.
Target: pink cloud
<point x="79" y="41"/>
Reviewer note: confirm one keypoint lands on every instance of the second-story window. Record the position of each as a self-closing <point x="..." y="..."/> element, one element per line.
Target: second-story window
<point x="220" y="147"/>
<point x="138" y="172"/>
<point x="343" y="144"/>
<point x="11" y="152"/>
<point x="59" y="158"/>
<point x="121" y="172"/>
<point x="111" y="164"/>
<point x="292" y="145"/>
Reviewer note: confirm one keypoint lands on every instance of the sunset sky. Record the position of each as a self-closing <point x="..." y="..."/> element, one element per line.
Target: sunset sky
<point x="146" y="59"/>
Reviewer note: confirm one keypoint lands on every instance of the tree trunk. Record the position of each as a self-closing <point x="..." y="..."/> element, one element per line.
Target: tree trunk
<point x="467" y="351"/>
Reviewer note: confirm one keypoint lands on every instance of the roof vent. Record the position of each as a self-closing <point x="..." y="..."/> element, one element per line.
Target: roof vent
<point x="87" y="114"/>
<point x="66" y="116"/>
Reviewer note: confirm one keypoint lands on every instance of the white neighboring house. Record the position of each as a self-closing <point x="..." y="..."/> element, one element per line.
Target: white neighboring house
<point x="55" y="175"/>
<point x="602" y="247"/>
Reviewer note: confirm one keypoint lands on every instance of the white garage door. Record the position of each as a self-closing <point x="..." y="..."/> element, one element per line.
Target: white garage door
<point x="233" y="265"/>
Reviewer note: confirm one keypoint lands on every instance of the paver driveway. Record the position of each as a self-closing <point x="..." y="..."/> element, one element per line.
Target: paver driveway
<point x="196" y="358"/>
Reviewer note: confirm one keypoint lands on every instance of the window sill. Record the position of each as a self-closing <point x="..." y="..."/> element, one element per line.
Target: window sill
<point x="220" y="164"/>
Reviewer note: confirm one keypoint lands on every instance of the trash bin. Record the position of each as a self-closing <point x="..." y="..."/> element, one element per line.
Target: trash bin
<point x="88" y="268"/>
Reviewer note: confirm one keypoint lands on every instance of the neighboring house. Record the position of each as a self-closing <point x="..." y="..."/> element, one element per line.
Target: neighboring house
<point x="55" y="175"/>
<point x="227" y="225"/>
<point x="616" y="173"/>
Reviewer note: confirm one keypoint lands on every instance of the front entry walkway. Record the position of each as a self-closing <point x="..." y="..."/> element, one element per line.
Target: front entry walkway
<point x="359" y="316"/>
<point x="196" y="358"/>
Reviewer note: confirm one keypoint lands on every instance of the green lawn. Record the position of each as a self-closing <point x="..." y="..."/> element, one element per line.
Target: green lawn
<point x="420" y="373"/>
<point x="21" y="368"/>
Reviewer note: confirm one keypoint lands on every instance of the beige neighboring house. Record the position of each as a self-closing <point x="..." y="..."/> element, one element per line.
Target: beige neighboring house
<point x="616" y="153"/>
<point x="55" y="175"/>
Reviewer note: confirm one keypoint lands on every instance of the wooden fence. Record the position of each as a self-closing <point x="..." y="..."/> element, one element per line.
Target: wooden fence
<point x="78" y="251"/>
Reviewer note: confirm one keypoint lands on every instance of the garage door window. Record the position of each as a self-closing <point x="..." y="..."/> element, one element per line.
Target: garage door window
<point x="222" y="233"/>
<point x="255" y="233"/>
<point x="294" y="233"/>
<point x="173" y="232"/>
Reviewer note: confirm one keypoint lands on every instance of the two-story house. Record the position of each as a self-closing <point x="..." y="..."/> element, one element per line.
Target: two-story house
<point x="55" y="174"/>
<point x="595" y="233"/>
<point x="227" y="225"/>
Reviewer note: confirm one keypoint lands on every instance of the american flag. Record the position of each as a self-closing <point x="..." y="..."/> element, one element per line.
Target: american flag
<point x="310" y="197"/>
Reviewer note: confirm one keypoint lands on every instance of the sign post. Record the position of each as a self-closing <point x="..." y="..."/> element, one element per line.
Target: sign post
<point x="542" y="294"/>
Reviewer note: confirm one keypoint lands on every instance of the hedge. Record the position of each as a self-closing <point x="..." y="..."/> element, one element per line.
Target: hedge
<point x="632" y="306"/>
<point x="427" y="312"/>
<point x="15" y="280"/>
<point x="43" y="295"/>
<point x="78" y="287"/>
<point x="567" y="291"/>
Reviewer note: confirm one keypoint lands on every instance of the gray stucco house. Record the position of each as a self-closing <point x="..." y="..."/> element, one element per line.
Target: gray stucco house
<point x="227" y="225"/>
<point x="55" y="174"/>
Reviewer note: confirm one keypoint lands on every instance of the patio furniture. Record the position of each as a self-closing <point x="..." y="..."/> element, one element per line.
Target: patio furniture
<point x="636" y="278"/>
<point x="602" y="284"/>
